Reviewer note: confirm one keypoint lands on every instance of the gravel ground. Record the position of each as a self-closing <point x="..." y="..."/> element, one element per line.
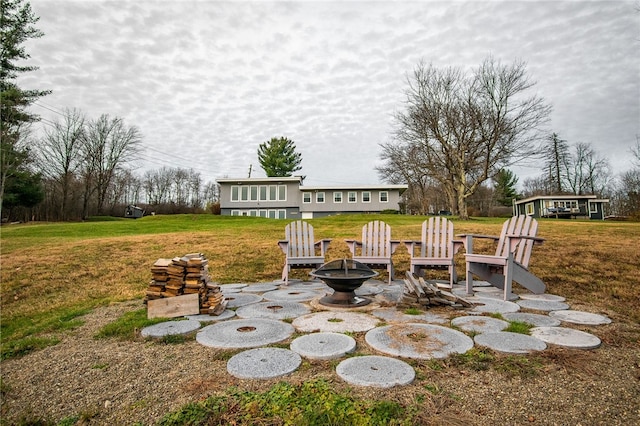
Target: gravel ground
<point x="118" y="383"/>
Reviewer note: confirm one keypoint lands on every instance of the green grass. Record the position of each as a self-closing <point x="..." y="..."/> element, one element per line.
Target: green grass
<point x="312" y="403"/>
<point x="519" y="327"/>
<point x="128" y="325"/>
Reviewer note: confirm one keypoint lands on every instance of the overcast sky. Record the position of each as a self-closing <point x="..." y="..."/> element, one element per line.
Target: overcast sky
<point x="207" y="81"/>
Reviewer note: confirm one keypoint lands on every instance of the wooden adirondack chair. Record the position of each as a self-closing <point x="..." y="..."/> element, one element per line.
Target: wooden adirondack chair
<point x="511" y="260"/>
<point x="436" y="248"/>
<point x="375" y="248"/>
<point x="300" y="249"/>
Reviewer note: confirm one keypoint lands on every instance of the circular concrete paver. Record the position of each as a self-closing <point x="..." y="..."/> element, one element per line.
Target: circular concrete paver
<point x="239" y="286"/>
<point x="263" y="363"/>
<point x="305" y="285"/>
<point x="504" y="341"/>
<point x="545" y="296"/>
<point x="542" y="305"/>
<point x="259" y="288"/>
<point x="580" y="317"/>
<point x="494" y="306"/>
<point x="170" y="328"/>
<point x="394" y="315"/>
<point x="291" y="295"/>
<point x="536" y="320"/>
<point x="235" y="300"/>
<point x="479" y="324"/>
<point x="422" y="341"/>
<point x="566" y="337"/>
<point x="323" y="346"/>
<point x="335" y="321"/>
<point x="244" y="333"/>
<point x="375" y="371"/>
<point x="368" y="290"/>
<point x="496" y="295"/>
<point x="273" y="310"/>
<point x="225" y="315"/>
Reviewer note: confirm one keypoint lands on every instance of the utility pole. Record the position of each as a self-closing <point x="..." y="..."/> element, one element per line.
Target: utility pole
<point x="250" y="166"/>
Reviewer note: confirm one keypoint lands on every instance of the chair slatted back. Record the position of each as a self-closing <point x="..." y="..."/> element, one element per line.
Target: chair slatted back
<point x="517" y="226"/>
<point x="376" y="239"/>
<point x="300" y="237"/>
<point x="436" y="239"/>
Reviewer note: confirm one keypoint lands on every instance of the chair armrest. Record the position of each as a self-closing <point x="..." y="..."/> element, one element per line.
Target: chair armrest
<point x="284" y="245"/>
<point x="527" y="237"/>
<point x="323" y="244"/>
<point x="457" y="245"/>
<point x="394" y="245"/>
<point x="467" y="242"/>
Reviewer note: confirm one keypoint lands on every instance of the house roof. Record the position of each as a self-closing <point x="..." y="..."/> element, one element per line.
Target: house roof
<point x="562" y="197"/>
<point x="247" y="181"/>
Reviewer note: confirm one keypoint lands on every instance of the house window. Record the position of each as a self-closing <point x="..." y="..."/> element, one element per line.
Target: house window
<point x="273" y="191"/>
<point x="306" y="197"/>
<point x="235" y="191"/>
<point x="263" y="192"/>
<point x="244" y="193"/>
<point x="337" y="197"/>
<point x="319" y="197"/>
<point x="366" y="196"/>
<point x="352" y="197"/>
<point x="253" y="193"/>
<point x="384" y="196"/>
<point x="593" y="208"/>
<point x="528" y="208"/>
<point x="282" y="193"/>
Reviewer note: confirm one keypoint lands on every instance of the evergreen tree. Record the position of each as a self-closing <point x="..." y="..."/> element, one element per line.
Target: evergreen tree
<point x="505" y="187"/>
<point x="16" y="27"/>
<point x="278" y="157"/>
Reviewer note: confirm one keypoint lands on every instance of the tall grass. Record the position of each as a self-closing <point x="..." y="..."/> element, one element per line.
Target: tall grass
<point x="53" y="272"/>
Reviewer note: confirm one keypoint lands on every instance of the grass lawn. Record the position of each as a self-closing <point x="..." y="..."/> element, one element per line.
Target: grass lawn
<point x="53" y="273"/>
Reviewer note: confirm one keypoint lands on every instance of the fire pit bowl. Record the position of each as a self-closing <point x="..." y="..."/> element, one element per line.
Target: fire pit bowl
<point x="344" y="276"/>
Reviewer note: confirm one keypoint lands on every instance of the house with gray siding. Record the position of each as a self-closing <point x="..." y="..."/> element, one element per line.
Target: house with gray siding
<point x="562" y="206"/>
<point x="287" y="198"/>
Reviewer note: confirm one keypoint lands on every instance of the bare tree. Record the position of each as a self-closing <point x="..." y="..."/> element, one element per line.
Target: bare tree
<point x="557" y="161"/>
<point x="587" y="172"/>
<point x="60" y="156"/>
<point x="468" y="127"/>
<point x="108" y="146"/>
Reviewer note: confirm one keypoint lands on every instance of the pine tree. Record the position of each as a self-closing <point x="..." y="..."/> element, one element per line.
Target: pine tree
<point x="278" y="157"/>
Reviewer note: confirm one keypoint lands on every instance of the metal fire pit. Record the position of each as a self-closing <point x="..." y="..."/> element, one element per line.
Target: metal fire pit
<point x="344" y="276"/>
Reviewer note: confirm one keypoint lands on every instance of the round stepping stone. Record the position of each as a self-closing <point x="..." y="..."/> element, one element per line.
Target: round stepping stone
<point x="422" y="341"/>
<point x="170" y="328"/>
<point x="535" y="320"/>
<point x="543" y="305"/>
<point x="545" y="296"/>
<point x="238" y="286"/>
<point x="580" y="317"/>
<point x="235" y="300"/>
<point x="566" y="337"/>
<point x="496" y="295"/>
<point x="263" y="363"/>
<point x="225" y="315"/>
<point x="494" y="306"/>
<point x="291" y="295"/>
<point x="323" y="345"/>
<point x="230" y="290"/>
<point x="244" y="333"/>
<point x="273" y="310"/>
<point x="259" y="288"/>
<point x="335" y="321"/>
<point x="479" y="324"/>
<point x="393" y="315"/>
<point x="305" y="285"/>
<point x="504" y="341"/>
<point x="375" y="371"/>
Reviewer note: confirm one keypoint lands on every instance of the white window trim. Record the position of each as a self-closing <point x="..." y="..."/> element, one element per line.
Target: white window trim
<point x="355" y="197"/>
<point x="323" y="197"/>
<point x="380" y="196"/>
<point x="362" y="195"/>
<point x="334" y="197"/>
<point x="310" y="197"/>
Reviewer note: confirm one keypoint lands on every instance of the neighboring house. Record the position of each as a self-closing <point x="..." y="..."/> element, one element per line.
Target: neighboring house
<point x="287" y="198"/>
<point x="561" y="206"/>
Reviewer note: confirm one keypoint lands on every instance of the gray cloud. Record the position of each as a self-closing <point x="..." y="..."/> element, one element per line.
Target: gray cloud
<point x="208" y="81"/>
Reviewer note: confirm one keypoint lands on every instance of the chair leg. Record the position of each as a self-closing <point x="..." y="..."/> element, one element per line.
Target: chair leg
<point x="453" y="276"/>
<point x="285" y="274"/>
<point x="469" y="281"/>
